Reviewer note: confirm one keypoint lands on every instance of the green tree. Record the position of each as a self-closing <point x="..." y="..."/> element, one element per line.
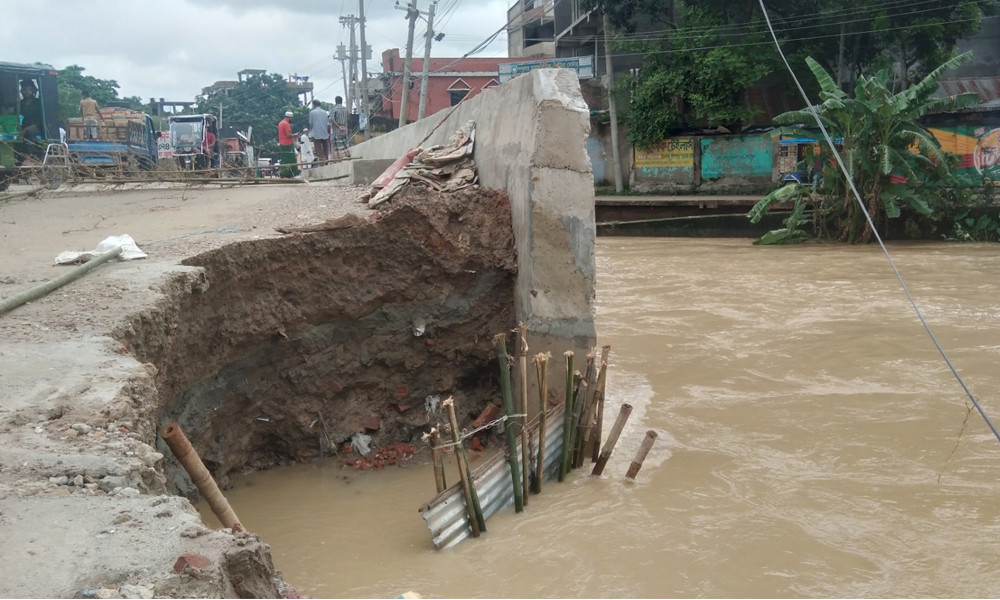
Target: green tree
<point x="693" y="77"/>
<point x="849" y="37"/>
<point x="72" y="82"/>
<point x="258" y="102"/>
<point x="893" y="162"/>
<point x="862" y="37"/>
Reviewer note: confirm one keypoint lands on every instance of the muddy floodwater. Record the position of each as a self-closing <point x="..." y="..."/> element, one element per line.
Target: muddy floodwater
<point x="812" y="443"/>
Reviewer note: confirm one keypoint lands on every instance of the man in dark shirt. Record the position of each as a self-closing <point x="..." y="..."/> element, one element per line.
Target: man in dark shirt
<point x="32" y="127"/>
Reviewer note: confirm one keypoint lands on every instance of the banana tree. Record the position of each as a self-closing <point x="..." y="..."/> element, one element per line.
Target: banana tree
<point x="888" y="155"/>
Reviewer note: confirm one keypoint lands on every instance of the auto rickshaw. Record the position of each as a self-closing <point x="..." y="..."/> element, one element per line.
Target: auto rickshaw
<point x="194" y="139"/>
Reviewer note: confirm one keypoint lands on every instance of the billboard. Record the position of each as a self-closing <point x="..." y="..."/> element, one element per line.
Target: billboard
<point x="583" y="65"/>
<point x="979" y="148"/>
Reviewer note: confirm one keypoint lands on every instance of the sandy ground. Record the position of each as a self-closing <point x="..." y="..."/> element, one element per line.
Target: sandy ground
<point x="80" y="512"/>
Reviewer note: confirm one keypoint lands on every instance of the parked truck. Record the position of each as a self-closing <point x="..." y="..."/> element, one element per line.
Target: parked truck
<point x="125" y="141"/>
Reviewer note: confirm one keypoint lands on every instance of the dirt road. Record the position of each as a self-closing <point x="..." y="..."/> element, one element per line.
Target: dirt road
<point x="83" y="509"/>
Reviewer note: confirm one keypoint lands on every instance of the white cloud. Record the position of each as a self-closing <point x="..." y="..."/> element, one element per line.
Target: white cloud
<point x="173" y="49"/>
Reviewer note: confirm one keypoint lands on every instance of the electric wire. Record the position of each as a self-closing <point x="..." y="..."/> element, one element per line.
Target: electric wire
<point x="827" y="19"/>
<point x="769" y="43"/>
<point x="864" y="210"/>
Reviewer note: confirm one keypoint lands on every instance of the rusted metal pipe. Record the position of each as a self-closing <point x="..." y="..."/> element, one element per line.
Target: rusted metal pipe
<point x="202" y="479"/>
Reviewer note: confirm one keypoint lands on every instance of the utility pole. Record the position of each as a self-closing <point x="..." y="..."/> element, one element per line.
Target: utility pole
<point x="353" y="71"/>
<point x="351" y="21"/>
<point x="341" y="55"/>
<point x="364" y="65"/>
<point x="411" y="14"/>
<point x="612" y="109"/>
<point x="218" y="139"/>
<point x="427" y="59"/>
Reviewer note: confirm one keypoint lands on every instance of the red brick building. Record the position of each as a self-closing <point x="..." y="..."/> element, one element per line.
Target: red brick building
<point x="449" y="80"/>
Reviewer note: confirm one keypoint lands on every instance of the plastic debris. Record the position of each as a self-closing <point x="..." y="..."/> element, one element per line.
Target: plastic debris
<point x="130" y="251"/>
<point x="361" y="443"/>
<point x="419" y="326"/>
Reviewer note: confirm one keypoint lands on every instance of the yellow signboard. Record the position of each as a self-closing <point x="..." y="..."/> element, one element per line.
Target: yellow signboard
<point x="673" y="152"/>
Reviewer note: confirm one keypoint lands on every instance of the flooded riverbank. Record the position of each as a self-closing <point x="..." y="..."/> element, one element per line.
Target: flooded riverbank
<point x="813" y="443"/>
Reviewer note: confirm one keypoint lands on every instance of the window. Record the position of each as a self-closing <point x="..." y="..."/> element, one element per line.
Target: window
<point x="458" y="90"/>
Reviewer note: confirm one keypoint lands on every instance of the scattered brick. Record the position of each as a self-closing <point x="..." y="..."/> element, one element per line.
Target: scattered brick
<point x="191" y="559"/>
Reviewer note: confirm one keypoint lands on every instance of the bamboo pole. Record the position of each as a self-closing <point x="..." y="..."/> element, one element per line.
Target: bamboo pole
<point x="589" y="416"/>
<point x="609" y="446"/>
<point x="200" y="477"/>
<point x="596" y="441"/>
<point x="439" y="479"/>
<point x="567" y="417"/>
<point x="640" y="456"/>
<point x="542" y="370"/>
<point x="508" y="406"/>
<point x="522" y="355"/>
<point x="584" y="391"/>
<point x="38" y="291"/>
<point x="471" y="506"/>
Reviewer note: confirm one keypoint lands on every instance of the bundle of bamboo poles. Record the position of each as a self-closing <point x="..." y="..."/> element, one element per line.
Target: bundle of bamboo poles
<point x="583" y="416"/>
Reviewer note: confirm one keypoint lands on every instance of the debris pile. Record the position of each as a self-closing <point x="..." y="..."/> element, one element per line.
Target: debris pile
<point x="445" y="168"/>
<point x="392" y="454"/>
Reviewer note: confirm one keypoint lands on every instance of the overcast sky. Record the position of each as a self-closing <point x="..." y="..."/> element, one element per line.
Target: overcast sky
<point x="174" y="48"/>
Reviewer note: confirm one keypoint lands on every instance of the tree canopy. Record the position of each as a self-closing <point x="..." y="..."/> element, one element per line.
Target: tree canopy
<point x="700" y="57"/>
<point x="258" y="102"/>
<point x="72" y="82"/>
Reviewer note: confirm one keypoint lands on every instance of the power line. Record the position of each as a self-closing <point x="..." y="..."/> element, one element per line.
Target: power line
<point x="871" y="224"/>
<point x="768" y="43"/>
<point x="745" y="29"/>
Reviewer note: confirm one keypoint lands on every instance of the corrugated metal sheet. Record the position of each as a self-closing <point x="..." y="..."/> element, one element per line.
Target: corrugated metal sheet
<point x="445" y="514"/>
<point x="988" y="89"/>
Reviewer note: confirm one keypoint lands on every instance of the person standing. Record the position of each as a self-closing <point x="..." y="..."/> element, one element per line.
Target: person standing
<point x="338" y="121"/>
<point x="305" y="150"/>
<point x="286" y="140"/>
<point x="319" y="131"/>
<point x="90" y="114"/>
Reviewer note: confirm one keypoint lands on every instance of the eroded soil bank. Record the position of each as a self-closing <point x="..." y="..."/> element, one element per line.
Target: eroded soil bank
<point x="247" y="346"/>
<point x="282" y="350"/>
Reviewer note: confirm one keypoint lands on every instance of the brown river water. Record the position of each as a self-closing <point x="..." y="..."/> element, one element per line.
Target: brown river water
<point x="812" y="443"/>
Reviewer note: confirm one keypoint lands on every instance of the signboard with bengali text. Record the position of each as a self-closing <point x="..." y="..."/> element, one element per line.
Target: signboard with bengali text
<point x="583" y="65"/>
<point x="670" y="153"/>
